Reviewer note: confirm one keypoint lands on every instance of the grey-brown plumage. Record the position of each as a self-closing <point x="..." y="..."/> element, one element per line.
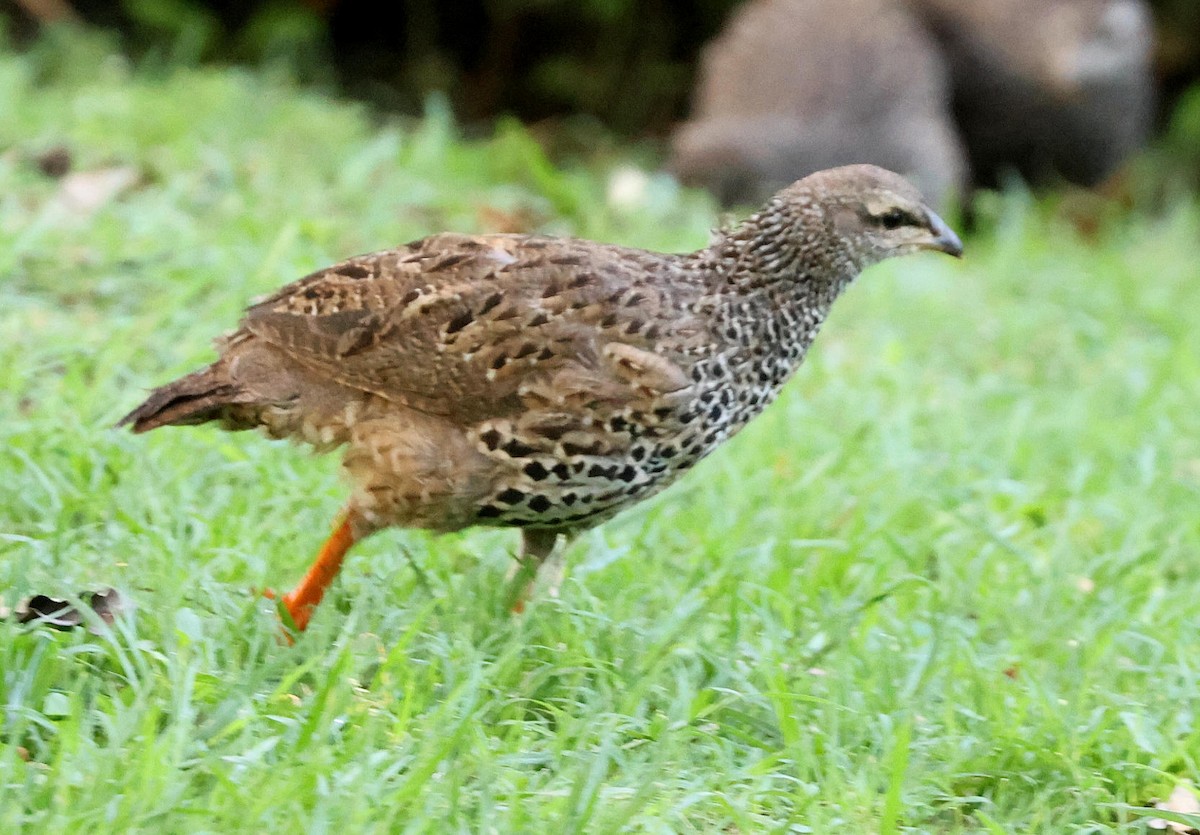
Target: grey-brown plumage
<point x="795" y="86"/>
<point x="544" y="383"/>
<point x="1047" y="88"/>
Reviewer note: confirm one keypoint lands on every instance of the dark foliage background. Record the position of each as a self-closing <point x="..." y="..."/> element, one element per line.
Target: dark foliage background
<point x="628" y="63"/>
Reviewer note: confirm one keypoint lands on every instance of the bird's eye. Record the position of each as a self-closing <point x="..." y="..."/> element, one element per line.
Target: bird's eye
<point x="892" y="219"/>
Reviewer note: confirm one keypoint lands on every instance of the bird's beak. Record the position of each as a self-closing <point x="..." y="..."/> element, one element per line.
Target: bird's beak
<point x="942" y="238"/>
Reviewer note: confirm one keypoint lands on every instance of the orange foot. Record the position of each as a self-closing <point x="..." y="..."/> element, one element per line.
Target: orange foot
<point x="296" y="607"/>
<point x="294" y="617"/>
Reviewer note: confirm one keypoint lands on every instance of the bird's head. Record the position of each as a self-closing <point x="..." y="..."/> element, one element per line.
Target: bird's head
<point x="823" y="230"/>
<point x="869" y="213"/>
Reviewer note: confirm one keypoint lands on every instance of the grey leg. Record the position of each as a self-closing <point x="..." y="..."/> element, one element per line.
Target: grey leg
<point x="537" y="546"/>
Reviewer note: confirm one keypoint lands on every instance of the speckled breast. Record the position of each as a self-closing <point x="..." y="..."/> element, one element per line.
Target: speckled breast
<point x="583" y="476"/>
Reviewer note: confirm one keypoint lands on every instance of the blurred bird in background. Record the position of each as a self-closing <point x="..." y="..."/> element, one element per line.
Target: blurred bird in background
<point x="801" y="85"/>
<point x="1047" y="89"/>
<point x="744" y="95"/>
<point x="951" y="92"/>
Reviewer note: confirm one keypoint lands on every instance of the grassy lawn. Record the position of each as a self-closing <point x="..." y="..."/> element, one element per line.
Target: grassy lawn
<point x="949" y="583"/>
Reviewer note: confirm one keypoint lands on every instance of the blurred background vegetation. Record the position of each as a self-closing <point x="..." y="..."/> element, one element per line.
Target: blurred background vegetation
<point x="536" y="59"/>
<point x="584" y="76"/>
<point x="533" y="58"/>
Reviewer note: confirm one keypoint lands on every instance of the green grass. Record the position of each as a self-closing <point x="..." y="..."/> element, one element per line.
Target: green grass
<point x="948" y="583"/>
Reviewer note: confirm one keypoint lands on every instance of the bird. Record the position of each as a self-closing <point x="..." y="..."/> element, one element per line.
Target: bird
<point x="1050" y="89"/>
<point x="536" y="382"/>
<point x="790" y="87"/>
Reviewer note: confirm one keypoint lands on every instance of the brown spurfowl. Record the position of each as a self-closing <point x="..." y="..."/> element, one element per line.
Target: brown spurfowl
<point x="794" y="86"/>
<point x="536" y="382"/>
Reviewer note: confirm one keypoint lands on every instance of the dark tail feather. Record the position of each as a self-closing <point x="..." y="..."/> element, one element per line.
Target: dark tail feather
<point x="196" y="398"/>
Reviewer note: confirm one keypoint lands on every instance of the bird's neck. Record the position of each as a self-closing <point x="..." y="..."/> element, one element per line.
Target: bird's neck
<point x="764" y="278"/>
<point x="764" y="305"/>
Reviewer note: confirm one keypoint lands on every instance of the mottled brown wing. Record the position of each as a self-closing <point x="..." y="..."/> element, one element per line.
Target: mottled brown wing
<point x="473" y="326"/>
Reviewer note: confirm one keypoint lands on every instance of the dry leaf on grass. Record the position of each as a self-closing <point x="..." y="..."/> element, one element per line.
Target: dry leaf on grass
<point x="506" y="221"/>
<point x="49" y="11"/>
<point x="627" y="188"/>
<point x="1183" y="801"/>
<point x="84" y="192"/>
<point x="55" y="162"/>
<point x="63" y="614"/>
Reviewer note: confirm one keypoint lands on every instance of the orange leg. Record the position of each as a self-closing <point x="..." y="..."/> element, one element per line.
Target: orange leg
<point x="303" y="599"/>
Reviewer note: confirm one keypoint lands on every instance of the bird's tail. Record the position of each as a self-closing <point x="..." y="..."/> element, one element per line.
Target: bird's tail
<point x="201" y="396"/>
